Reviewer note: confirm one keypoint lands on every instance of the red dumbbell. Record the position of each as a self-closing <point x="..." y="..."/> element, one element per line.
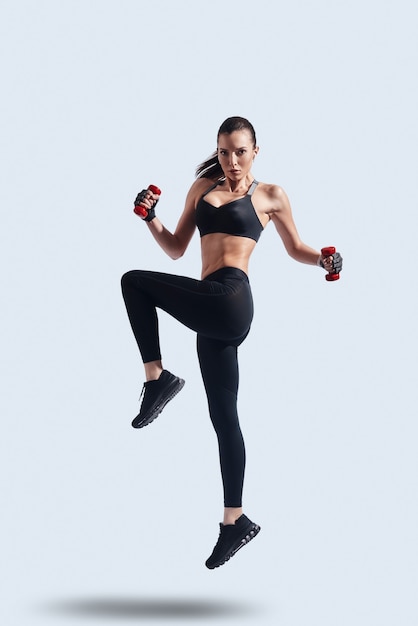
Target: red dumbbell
<point x="141" y="210"/>
<point x="329" y="251"/>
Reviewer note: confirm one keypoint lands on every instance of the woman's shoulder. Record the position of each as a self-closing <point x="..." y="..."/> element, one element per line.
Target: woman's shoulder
<point x="202" y="183"/>
<point x="200" y="186"/>
<point x="271" y="189"/>
<point x="275" y="197"/>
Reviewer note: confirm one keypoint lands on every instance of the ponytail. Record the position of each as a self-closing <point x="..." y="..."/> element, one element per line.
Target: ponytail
<point x="211" y="168"/>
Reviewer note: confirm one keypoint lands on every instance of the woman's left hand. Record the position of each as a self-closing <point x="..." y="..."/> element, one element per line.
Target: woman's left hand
<point x="332" y="263"/>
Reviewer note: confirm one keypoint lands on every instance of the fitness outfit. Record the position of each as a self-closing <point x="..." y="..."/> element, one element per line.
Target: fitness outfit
<point x="237" y="217"/>
<point x="219" y="309"/>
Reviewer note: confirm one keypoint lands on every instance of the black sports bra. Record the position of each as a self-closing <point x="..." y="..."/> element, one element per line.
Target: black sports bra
<point x="237" y="217"/>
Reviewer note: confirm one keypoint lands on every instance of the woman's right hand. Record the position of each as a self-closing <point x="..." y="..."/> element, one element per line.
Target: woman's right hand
<point x="147" y="200"/>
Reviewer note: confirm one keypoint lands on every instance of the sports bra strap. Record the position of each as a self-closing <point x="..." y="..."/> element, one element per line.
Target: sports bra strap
<point x="249" y="192"/>
<point x="252" y="188"/>
<point x="211" y="188"/>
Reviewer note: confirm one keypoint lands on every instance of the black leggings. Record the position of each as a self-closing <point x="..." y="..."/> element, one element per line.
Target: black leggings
<point x="220" y="310"/>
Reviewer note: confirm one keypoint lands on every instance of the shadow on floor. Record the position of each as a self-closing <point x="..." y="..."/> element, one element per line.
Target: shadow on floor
<point x="150" y="608"/>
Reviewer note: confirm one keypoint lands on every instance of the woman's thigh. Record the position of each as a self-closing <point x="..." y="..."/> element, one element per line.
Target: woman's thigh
<point x="210" y="308"/>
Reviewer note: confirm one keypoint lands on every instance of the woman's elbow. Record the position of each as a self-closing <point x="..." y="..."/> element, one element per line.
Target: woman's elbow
<point x="178" y="247"/>
<point x="176" y="253"/>
<point x="297" y="252"/>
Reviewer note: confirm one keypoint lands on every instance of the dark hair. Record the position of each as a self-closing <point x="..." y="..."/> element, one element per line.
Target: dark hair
<point x="211" y="168"/>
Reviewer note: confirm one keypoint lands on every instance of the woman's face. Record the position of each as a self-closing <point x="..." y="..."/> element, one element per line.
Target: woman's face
<point x="236" y="153"/>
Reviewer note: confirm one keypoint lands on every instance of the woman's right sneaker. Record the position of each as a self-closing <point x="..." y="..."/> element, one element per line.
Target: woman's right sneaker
<point x="155" y="395"/>
<point x="232" y="537"/>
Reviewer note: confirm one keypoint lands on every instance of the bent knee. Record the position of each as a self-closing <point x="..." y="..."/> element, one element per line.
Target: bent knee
<point x="128" y="278"/>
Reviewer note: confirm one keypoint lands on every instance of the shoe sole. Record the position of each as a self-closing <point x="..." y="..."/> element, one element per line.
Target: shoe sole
<point x="253" y="532"/>
<point x="158" y="409"/>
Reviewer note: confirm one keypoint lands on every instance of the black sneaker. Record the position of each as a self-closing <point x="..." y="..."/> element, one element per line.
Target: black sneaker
<point x="156" y="394"/>
<point x="232" y="537"/>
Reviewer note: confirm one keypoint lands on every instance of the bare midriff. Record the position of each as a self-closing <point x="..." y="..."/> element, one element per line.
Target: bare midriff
<point x="221" y="250"/>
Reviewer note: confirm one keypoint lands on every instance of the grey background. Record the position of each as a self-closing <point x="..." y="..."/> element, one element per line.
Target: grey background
<point x="102" y="524"/>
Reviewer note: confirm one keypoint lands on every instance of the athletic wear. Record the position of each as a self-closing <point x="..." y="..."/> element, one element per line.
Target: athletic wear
<point x="220" y="310"/>
<point x="337" y="262"/>
<point x="219" y="307"/>
<point x="232" y="537"/>
<point x="155" y="395"/>
<point x="237" y="217"/>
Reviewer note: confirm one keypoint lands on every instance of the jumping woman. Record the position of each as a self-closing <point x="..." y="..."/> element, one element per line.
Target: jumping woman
<point x="230" y="209"/>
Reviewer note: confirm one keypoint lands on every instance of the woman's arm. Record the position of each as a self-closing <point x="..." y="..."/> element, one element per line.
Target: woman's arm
<point x="281" y="215"/>
<point x="175" y="244"/>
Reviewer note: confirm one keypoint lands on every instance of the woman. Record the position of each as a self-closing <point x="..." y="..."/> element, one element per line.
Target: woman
<point x="230" y="209"/>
